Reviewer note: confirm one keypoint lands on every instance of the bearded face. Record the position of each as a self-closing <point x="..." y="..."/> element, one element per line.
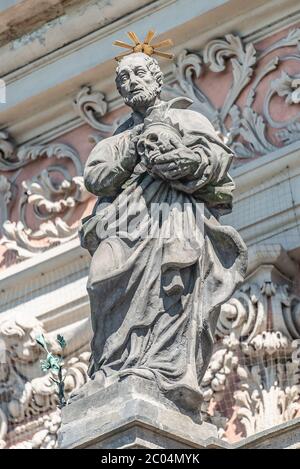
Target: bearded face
<point x="136" y="83"/>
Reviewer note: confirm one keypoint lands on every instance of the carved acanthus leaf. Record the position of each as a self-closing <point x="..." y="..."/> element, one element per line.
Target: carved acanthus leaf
<point x="289" y="135"/>
<point x="41" y="190"/>
<point x="7" y="150"/>
<point x="245" y="130"/>
<point x="243" y="58"/>
<point x="288" y="87"/>
<point x="188" y="67"/>
<point x="254" y="367"/>
<point x="5" y="198"/>
<point x="253" y="131"/>
<point x="52" y="197"/>
<point x="29" y="408"/>
<point x="92" y="106"/>
<point x="292" y="39"/>
<point x="267" y="396"/>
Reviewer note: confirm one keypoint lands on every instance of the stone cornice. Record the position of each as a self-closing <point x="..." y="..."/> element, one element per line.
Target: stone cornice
<point x="28" y="15"/>
<point x="57" y="75"/>
<point x="50" y="285"/>
<point x="265" y="167"/>
<point x="271" y="255"/>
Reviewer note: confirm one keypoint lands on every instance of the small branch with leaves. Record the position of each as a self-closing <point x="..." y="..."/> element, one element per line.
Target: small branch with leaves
<point x="54" y="364"/>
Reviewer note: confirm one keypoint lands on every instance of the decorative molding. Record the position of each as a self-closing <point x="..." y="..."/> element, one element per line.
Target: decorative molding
<point x="36" y="61"/>
<point x="51" y="197"/>
<point x="5" y="198"/>
<point x="29" y="417"/>
<point x="287" y="87"/>
<point x="256" y="363"/>
<point x="244" y="129"/>
<point x="23" y="18"/>
<point x="91" y="106"/>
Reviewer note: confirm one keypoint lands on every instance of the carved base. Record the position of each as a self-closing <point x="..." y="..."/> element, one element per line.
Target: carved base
<point x="131" y="413"/>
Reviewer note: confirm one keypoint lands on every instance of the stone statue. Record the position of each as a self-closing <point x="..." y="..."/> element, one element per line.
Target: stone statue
<point x="156" y="289"/>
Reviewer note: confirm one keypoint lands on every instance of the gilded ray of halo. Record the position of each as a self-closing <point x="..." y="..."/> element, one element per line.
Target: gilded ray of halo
<point x="146" y="47"/>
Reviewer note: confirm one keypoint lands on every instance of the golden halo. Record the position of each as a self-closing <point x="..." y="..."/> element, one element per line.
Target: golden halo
<point x="146" y="47"/>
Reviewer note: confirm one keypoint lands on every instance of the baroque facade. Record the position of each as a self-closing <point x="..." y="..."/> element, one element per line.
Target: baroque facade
<point x="240" y="66"/>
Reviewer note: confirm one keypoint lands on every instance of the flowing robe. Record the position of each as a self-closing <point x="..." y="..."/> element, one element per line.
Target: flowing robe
<point x="155" y="299"/>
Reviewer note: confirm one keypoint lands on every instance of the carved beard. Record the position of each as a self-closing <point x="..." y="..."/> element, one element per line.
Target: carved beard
<point x="143" y="98"/>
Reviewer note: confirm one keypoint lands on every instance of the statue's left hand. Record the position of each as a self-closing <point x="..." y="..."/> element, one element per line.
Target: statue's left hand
<point x="176" y="164"/>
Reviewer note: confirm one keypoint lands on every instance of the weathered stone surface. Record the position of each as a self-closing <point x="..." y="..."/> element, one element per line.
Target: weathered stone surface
<point x="134" y="414"/>
<point x="162" y="263"/>
<point x="29" y="15"/>
<point x="131" y="413"/>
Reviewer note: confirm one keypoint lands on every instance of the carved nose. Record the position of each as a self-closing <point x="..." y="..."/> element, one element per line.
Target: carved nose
<point x="133" y="82"/>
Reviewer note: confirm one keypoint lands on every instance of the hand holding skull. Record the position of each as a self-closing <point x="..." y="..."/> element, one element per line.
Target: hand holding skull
<point x="164" y="155"/>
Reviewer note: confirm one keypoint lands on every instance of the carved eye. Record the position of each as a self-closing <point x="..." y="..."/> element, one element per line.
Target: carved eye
<point x="123" y="78"/>
<point x="152" y="138"/>
<point x="141" y="148"/>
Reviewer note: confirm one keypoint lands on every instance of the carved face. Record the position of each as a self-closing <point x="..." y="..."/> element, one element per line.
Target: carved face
<point x="135" y="82"/>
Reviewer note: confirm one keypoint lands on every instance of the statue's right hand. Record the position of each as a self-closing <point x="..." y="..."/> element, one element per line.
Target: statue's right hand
<point x="130" y="158"/>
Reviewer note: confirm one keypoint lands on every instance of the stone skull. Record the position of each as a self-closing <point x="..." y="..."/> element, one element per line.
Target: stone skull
<point x="157" y="139"/>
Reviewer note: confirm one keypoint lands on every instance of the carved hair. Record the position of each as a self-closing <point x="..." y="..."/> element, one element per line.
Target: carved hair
<point x="152" y="66"/>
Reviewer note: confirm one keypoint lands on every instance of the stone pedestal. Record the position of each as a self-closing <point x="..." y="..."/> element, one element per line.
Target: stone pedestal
<point x="132" y="413"/>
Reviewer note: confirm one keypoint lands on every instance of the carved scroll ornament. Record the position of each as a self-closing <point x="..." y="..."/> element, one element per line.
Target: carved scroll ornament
<point x="51" y="196"/>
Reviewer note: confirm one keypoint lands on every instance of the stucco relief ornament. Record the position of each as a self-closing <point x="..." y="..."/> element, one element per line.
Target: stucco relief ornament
<point x="162" y="263"/>
<point x="29" y="413"/>
<point x="51" y="197"/>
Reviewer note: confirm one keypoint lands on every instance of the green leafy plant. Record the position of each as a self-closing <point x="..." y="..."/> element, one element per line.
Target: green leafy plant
<point x="54" y="364"/>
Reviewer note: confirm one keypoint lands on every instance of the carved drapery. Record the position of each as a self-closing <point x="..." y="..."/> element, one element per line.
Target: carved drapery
<point x="29" y="417"/>
<point x="253" y="381"/>
<point x="50" y="197"/>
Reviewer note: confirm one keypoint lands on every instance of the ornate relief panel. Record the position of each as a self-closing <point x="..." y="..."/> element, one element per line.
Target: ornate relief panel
<point x="29" y="417"/>
<point x="258" y="108"/>
<point x="253" y="381"/>
<point x="245" y="89"/>
<point x="44" y="203"/>
<point x="249" y="91"/>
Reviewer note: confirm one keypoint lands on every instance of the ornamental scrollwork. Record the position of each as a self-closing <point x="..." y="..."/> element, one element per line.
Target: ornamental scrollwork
<point x="49" y="198"/>
<point x="256" y="364"/>
<point x="244" y="128"/>
<point x="29" y="415"/>
<point x="91" y="105"/>
<point x="5" y="197"/>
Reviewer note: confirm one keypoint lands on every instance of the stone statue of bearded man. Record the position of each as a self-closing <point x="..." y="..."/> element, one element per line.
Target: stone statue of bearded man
<point x="156" y="289"/>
